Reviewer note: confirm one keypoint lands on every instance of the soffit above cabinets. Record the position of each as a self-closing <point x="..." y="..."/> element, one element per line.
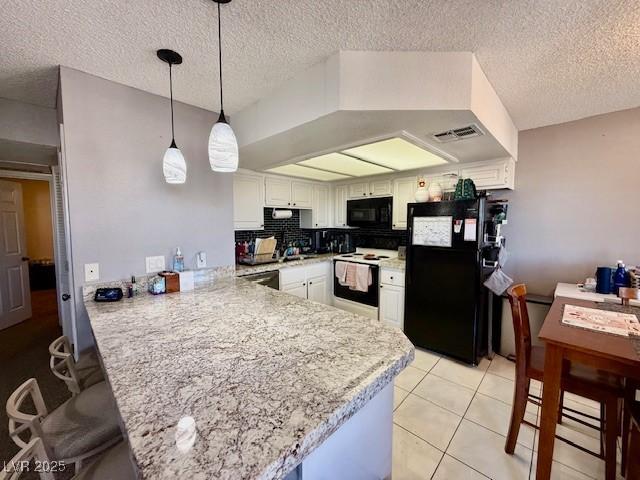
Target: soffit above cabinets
<point x="353" y="97"/>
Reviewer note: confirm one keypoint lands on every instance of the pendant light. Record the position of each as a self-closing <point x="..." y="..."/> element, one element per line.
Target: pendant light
<point x="174" y="166"/>
<point x="223" y="146"/>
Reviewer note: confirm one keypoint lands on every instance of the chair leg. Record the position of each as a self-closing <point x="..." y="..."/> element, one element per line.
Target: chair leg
<point x="520" y="396"/>
<point x="611" y="437"/>
<point x="560" y="406"/>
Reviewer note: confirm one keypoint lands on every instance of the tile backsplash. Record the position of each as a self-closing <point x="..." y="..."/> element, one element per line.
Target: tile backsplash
<point x="370" y="238"/>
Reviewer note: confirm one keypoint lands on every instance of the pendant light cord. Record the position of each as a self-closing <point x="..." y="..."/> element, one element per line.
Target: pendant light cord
<point x="171" y="94"/>
<point x="220" y="60"/>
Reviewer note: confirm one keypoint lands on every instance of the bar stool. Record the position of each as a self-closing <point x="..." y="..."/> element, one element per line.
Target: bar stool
<point x="599" y="386"/>
<point x="81" y="427"/>
<point x="113" y="464"/>
<point x="77" y="375"/>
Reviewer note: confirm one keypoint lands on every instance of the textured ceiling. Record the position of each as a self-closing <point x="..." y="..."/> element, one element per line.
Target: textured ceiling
<point x="550" y="61"/>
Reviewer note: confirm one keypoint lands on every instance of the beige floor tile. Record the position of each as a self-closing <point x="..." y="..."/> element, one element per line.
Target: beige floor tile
<point x="409" y="378"/>
<point x="562" y="472"/>
<point x="444" y="393"/>
<point x="459" y="373"/>
<point x="483" y="450"/>
<point x="398" y="396"/>
<point x="502" y="367"/>
<point x="413" y="458"/>
<point x="427" y="420"/>
<point x="497" y="387"/>
<point x="495" y="415"/>
<point x="592" y="404"/>
<point x="452" y="469"/>
<point x="425" y="360"/>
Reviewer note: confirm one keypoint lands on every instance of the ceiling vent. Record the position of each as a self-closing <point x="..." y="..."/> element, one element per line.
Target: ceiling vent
<point x="458" y="134"/>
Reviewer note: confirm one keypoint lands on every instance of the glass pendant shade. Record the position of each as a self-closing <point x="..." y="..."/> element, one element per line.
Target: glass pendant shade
<point x="174" y="166"/>
<point x="223" y="147"/>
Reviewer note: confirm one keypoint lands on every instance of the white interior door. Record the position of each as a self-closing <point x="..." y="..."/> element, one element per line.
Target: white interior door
<point x="64" y="265"/>
<point x="15" y="296"/>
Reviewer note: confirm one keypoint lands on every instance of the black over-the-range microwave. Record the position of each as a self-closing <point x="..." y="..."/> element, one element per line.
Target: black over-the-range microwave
<point x="370" y="212"/>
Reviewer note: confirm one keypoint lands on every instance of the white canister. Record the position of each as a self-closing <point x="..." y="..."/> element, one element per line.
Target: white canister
<point x="422" y="194"/>
<point x="435" y="192"/>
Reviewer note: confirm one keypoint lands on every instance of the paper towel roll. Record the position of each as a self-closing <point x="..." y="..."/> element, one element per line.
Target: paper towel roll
<point x="281" y="214"/>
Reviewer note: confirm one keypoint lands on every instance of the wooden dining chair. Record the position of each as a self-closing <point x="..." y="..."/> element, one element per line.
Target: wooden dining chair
<point x="595" y="385"/>
<point x="81" y="427"/>
<point x="76" y="375"/>
<point x="626" y="294"/>
<point x="113" y="464"/>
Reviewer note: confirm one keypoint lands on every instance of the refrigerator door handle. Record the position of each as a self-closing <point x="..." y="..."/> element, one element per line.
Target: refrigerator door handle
<point x="489" y="263"/>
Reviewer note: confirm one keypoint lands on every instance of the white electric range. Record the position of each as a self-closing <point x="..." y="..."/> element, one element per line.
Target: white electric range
<point x="363" y="303"/>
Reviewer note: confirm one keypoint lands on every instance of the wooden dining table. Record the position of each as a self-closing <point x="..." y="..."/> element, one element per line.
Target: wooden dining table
<point x="615" y="354"/>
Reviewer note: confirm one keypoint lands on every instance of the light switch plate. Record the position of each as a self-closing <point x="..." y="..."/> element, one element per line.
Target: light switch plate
<point x="91" y="272"/>
<point x="155" y="264"/>
<point x="201" y="260"/>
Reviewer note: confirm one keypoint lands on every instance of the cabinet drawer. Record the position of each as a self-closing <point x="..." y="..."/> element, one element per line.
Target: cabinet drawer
<point x="317" y="269"/>
<point x="392" y="277"/>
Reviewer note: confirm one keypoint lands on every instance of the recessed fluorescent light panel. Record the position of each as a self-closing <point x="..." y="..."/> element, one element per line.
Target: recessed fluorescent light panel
<point x="397" y="154"/>
<point x="339" y="163"/>
<point x="306" y="172"/>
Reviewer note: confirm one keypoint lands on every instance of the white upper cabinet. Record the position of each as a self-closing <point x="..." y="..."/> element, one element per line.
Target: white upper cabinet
<point x="318" y="216"/>
<point x="277" y="192"/>
<point x="340" y="205"/>
<point x="358" y="190"/>
<point x="376" y="188"/>
<point x="301" y="194"/>
<point x="404" y="191"/>
<point x="447" y="180"/>
<point x="380" y="188"/>
<point x="491" y="175"/>
<point x="248" y="201"/>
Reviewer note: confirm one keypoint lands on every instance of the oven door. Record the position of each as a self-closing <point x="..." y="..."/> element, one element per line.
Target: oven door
<point x="370" y="297"/>
<point x="370" y="212"/>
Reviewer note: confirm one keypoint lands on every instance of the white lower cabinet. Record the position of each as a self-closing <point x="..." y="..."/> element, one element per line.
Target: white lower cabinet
<point x="317" y="289"/>
<point x="391" y="310"/>
<point x="307" y="281"/>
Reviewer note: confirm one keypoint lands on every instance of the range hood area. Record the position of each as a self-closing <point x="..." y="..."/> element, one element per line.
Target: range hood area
<point x="367" y="113"/>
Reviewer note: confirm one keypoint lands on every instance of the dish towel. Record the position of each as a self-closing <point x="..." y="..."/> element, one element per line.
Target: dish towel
<point x="341" y="272"/>
<point x="350" y="279"/>
<point x="363" y="278"/>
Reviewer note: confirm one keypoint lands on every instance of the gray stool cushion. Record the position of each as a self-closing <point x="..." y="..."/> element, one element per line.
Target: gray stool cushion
<point x="88" y="368"/>
<point x="82" y="423"/>
<point x="114" y="464"/>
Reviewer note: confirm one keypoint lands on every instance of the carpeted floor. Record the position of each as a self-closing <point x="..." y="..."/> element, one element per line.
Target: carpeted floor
<point x="24" y="354"/>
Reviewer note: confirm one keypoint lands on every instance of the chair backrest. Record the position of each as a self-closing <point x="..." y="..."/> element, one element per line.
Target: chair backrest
<point x="21" y="421"/>
<point x="521" y="328"/>
<point x="63" y="364"/>
<point x="626" y="294"/>
<point x="19" y="464"/>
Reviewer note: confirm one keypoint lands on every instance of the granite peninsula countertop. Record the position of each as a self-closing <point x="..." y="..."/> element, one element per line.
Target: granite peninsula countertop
<point x="266" y="376"/>
<point x="394" y="263"/>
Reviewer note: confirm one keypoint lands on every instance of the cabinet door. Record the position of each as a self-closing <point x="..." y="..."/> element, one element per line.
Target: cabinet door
<point x="489" y="176"/>
<point x="297" y="289"/>
<point x="248" y="202"/>
<point x="341" y="206"/>
<point x="380" y="188"/>
<point x="392" y="305"/>
<point x="317" y="289"/>
<point x="278" y="192"/>
<point x="404" y="190"/>
<point x="301" y="194"/>
<point x="320" y="212"/>
<point x="358" y="190"/>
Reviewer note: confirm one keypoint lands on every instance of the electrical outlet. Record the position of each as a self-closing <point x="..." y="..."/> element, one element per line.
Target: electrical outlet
<point x="155" y="264"/>
<point x="201" y="260"/>
<point x="91" y="272"/>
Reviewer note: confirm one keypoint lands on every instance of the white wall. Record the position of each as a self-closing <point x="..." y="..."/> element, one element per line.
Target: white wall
<point x="121" y="209"/>
<point x="576" y="202"/>
<point x="22" y="122"/>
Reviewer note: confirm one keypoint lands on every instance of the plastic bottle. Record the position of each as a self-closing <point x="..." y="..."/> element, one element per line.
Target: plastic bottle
<point x="178" y="261"/>
<point x="621" y="277"/>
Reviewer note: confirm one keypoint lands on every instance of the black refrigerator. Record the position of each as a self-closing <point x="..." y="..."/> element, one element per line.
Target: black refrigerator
<point x="445" y="300"/>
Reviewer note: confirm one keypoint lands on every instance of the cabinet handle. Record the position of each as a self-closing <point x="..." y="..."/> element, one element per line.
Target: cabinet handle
<point x="288" y="203"/>
<point x="303" y="284"/>
<point x="391" y="278"/>
<point x="294" y="204"/>
<point x="370" y="193"/>
<point x="316" y="224"/>
<point x="394" y="224"/>
<point x="381" y="286"/>
<point x="310" y="283"/>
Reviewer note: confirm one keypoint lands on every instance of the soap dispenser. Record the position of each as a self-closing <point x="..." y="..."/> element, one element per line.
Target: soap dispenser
<point x="178" y="261"/>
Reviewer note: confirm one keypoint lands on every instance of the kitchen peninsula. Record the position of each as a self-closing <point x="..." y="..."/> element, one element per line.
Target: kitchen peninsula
<point x="271" y="381"/>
